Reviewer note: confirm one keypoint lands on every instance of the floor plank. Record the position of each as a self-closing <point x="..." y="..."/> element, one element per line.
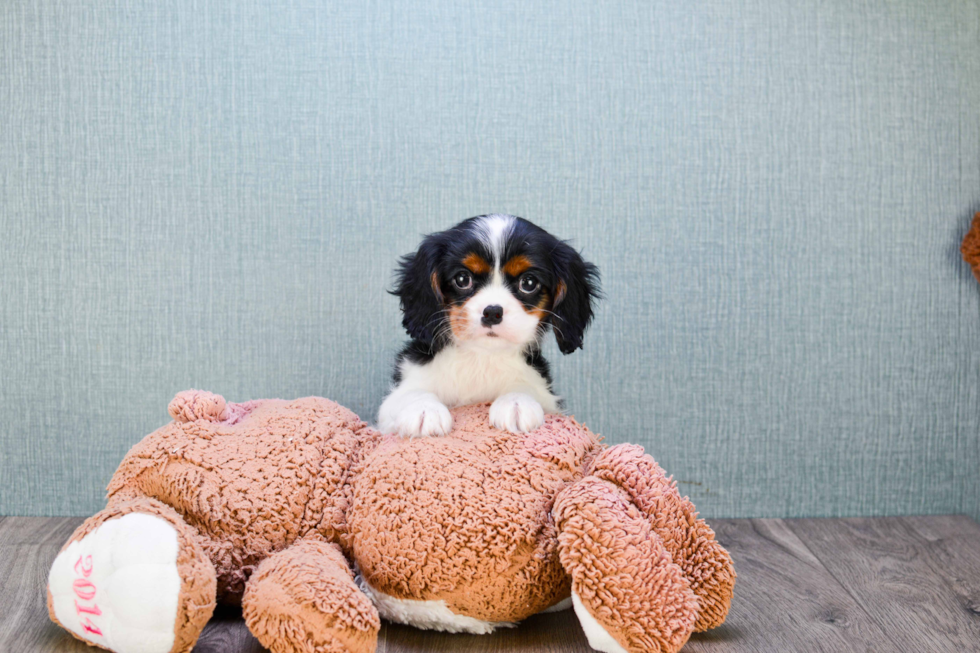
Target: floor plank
<point x="25" y="625"/>
<point x="953" y="543"/>
<point x="227" y="633"/>
<point x="785" y="600"/>
<point x="37" y="530"/>
<point x="28" y="545"/>
<point x="903" y="579"/>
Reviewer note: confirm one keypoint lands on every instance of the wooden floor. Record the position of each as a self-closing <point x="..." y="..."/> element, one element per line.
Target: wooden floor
<point x="909" y="584"/>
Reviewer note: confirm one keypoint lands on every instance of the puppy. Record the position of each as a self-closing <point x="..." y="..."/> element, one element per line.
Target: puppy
<point x="477" y="300"/>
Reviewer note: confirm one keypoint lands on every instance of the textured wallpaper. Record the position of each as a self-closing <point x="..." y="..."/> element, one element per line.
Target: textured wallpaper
<point x="213" y="195"/>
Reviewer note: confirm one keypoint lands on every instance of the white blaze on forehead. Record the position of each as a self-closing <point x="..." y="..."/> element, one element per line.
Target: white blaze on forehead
<point x="518" y="327"/>
<point x="493" y="230"/>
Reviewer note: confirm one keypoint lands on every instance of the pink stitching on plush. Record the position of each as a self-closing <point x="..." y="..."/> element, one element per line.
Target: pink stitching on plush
<point x="86" y="570"/>
<point x="84" y="589"/>
<point x="90" y="627"/>
<point x="87" y="610"/>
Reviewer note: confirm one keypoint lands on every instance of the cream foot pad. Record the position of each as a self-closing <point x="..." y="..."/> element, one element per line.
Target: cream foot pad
<point x="118" y="586"/>
<point x="599" y="638"/>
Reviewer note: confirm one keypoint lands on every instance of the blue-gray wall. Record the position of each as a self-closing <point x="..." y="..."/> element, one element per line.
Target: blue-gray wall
<point x="213" y="196"/>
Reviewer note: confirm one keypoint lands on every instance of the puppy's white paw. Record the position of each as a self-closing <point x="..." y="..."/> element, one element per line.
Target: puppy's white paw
<point x="118" y="586"/>
<point x="425" y="418"/>
<point x="516" y="412"/>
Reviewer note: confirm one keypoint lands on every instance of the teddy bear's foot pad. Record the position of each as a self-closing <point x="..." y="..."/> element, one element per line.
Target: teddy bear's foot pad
<point x="599" y="638"/>
<point x="118" y="587"/>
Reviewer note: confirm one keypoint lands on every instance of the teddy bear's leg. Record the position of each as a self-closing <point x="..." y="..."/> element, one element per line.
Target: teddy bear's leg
<point x="627" y="592"/>
<point x="133" y="578"/>
<point x="689" y="540"/>
<point x="303" y="599"/>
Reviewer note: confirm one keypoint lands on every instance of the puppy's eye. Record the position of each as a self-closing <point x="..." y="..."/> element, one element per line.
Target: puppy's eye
<point x="528" y="284"/>
<point x="463" y="280"/>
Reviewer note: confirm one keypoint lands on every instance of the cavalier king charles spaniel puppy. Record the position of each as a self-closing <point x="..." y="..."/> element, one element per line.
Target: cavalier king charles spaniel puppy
<point x="477" y="300"/>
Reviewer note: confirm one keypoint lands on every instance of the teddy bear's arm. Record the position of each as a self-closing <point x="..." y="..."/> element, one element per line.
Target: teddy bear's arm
<point x="689" y="540"/>
<point x="626" y="590"/>
<point x="646" y="572"/>
<point x="307" y="590"/>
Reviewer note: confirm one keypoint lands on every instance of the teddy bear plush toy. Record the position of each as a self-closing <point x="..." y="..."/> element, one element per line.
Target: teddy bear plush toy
<point x="319" y="525"/>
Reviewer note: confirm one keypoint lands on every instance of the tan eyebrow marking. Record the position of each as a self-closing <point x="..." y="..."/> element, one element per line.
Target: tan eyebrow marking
<point x="516" y="265"/>
<point x="475" y="263"/>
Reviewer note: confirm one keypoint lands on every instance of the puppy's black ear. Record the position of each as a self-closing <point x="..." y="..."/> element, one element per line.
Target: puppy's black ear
<point x="418" y="288"/>
<point x="576" y="289"/>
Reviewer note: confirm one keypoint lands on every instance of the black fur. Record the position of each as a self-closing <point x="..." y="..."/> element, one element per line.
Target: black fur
<point x="572" y="314"/>
<point x="537" y="361"/>
<point x="422" y="309"/>
<point x="416" y="352"/>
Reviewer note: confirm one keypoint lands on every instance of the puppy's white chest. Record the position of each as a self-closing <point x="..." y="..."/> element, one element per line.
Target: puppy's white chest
<point x="460" y="376"/>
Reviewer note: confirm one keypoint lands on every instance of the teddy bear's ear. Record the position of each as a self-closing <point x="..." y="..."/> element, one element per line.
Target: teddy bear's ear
<point x="971" y="246"/>
<point x="193" y="405"/>
<point x="418" y="288"/>
<point x="576" y="289"/>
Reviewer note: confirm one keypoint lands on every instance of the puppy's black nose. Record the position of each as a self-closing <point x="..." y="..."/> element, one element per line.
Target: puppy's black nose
<point x="493" y="314"/>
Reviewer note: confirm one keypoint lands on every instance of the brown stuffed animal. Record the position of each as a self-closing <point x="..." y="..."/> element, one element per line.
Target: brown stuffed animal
<point x="971" y="246"/>
<point x="269" y="504"/>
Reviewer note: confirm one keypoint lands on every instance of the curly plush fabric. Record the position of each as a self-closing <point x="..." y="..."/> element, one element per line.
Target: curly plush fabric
<point x="463" y="518"/>
<point x="194" y="405"/>
<point x="253" y="485"/>
<point x="971" y="246"/>
<point x="304" y="599"/>
<point x="272" y="501"/>
<point x="689" y="541"/>
<point x="620" y="569"/>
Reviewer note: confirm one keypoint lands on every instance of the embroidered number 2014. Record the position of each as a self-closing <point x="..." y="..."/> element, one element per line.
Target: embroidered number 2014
<point x="85" y="590"/>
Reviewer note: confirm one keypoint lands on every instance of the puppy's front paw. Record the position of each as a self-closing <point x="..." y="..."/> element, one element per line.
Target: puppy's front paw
<point x="423" y="418"/>
<point x="516" y="412"/>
